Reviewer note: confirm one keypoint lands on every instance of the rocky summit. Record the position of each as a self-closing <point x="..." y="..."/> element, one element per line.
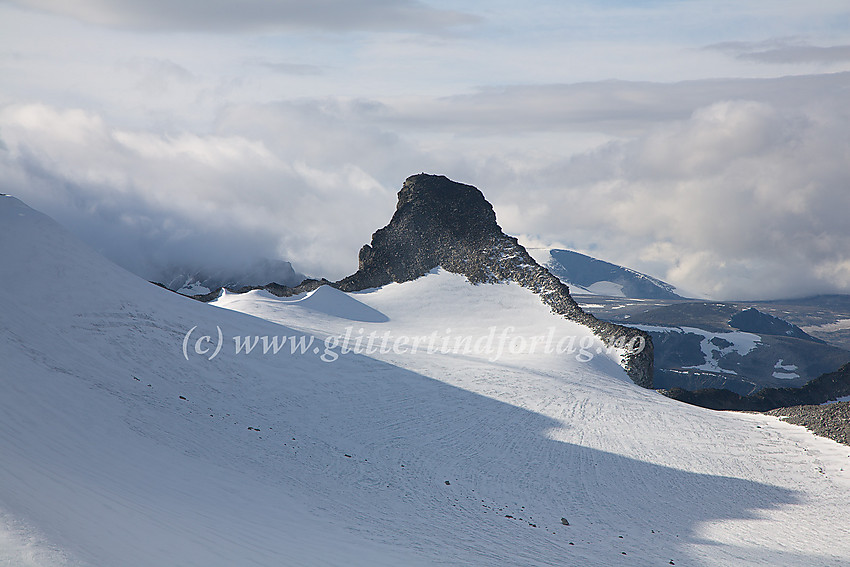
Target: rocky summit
<point x="441" y="223"/>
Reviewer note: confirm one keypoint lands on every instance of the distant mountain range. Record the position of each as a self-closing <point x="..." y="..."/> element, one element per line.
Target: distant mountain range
<point x="703" y="344"/>
<point x="737" y="346"/>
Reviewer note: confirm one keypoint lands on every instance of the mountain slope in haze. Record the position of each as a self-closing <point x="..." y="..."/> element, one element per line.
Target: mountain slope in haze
<point x="202" y="280"/>
<point x="592" y="275"/>
<point x="116" y="449"/>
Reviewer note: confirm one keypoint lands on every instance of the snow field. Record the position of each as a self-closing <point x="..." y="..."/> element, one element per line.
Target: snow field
<point x="116" y="450"/>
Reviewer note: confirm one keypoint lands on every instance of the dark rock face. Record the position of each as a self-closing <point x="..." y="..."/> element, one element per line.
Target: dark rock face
<point x="441" y="223"/>
<point x="437" y="222"/>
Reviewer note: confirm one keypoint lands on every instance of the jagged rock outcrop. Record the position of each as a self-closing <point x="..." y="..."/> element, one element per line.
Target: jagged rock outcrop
<point x="442" y="223"/>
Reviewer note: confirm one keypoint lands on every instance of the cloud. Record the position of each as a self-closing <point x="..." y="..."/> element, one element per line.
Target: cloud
<point x="728" y="187"/>
<point x="152" y="201"/>
<point x="781" y="51"/>
<point x="732" y="188"/>
<point x="255" y="15"/>
<point x="264" y="132"/>
<point x="292" y="68"/>
<point x="740" y="200"/>
<point x="612" y="107"/>
<point x="156" y="76"/>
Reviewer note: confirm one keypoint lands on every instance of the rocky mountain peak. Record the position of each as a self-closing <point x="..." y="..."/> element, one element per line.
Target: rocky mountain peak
<point x="441" y="223"/>
<point x="437" y="222"/>
<point x="437" y="202"/>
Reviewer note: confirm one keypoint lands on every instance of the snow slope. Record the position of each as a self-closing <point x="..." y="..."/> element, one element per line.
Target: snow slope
<point x="120" y="444"/>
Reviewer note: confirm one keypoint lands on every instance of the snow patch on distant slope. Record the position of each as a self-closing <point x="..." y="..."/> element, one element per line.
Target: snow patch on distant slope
<point x="839" y="325"/>
<point x="194" y="288"/>
<point x="610" y="289"/>
<point x="714" y="346"/>
<point x="785" y="371"/>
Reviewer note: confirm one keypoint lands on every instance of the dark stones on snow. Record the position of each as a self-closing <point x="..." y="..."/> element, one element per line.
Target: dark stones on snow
<point x="831" y="420"/>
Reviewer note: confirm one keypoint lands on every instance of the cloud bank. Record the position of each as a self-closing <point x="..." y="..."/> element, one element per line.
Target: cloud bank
<point x="735" y="189"/>
<point x="778" y="51"/>
<point x="705" y="147"/>
<point x="152" y="201"/>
